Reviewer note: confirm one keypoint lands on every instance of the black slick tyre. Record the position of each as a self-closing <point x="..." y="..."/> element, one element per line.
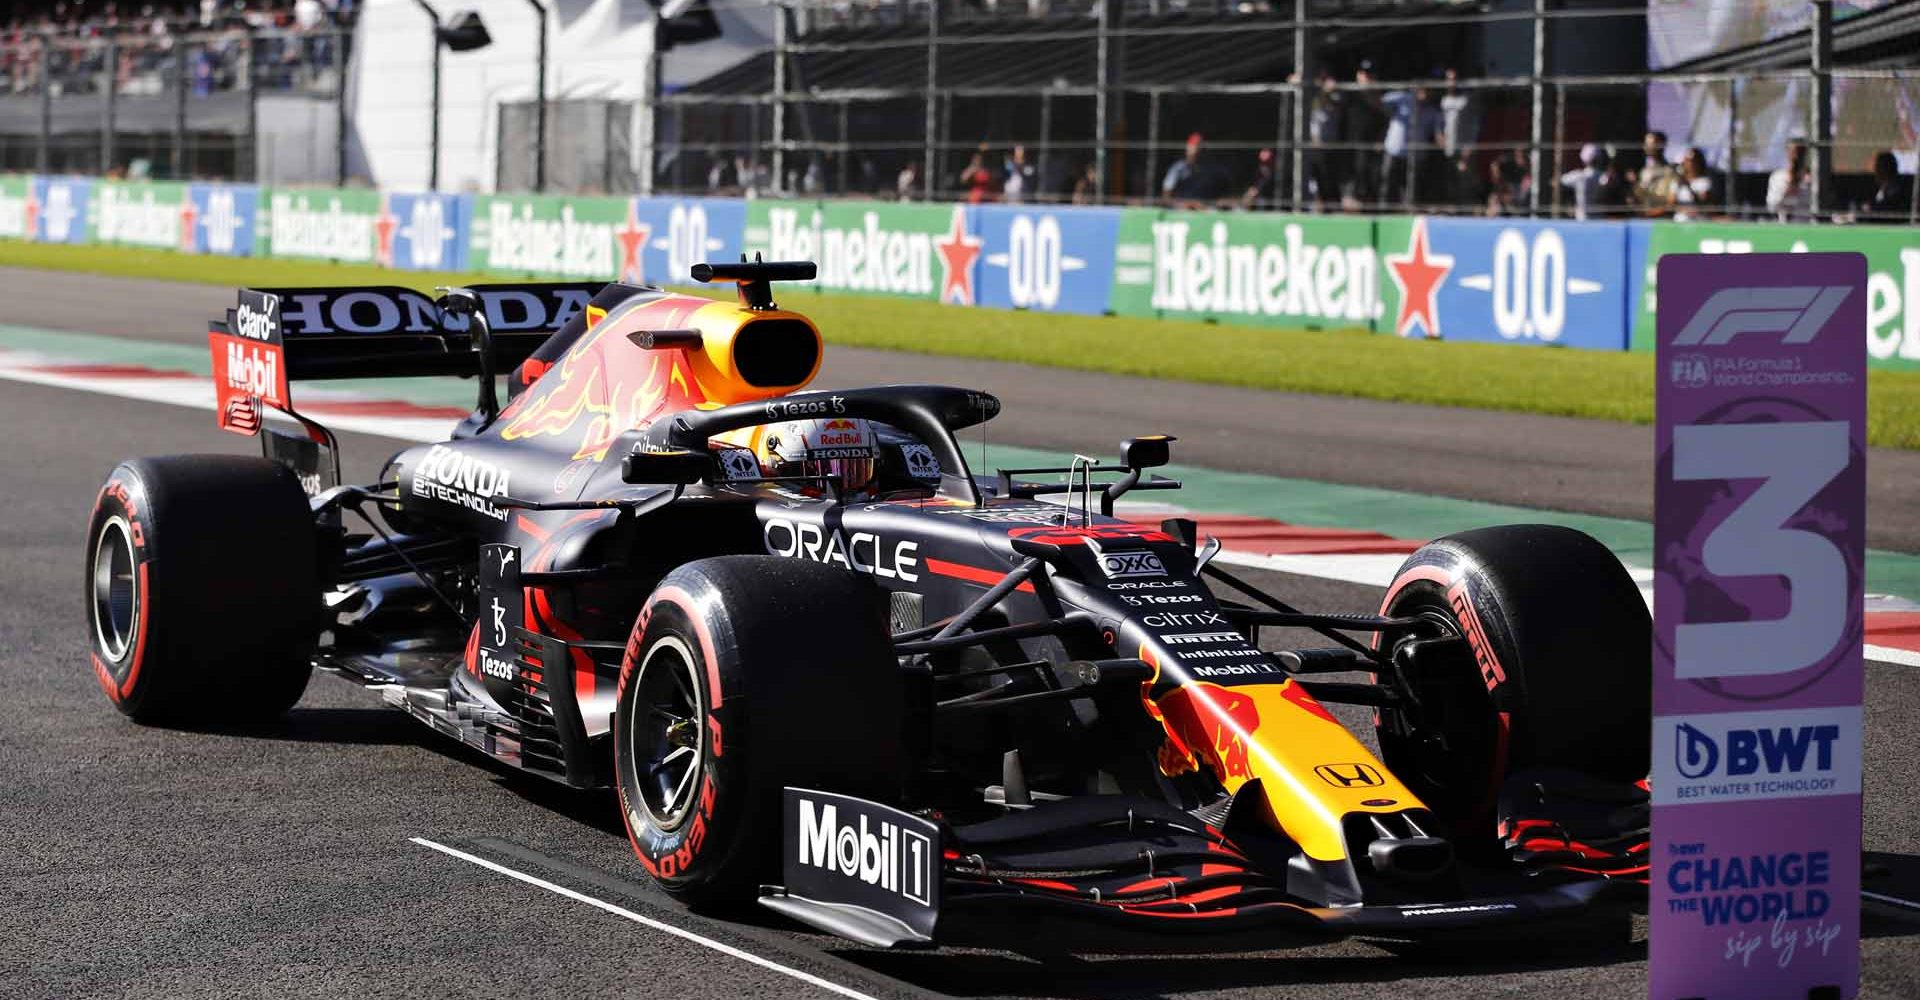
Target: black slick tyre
<point x="203" y="589"/>
<point x="745" y="674"/>
<point x="1558" y="671"/>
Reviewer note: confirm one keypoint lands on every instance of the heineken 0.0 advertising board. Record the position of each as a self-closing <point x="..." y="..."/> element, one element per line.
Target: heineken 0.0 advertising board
<point x="1271" y="270"/>
<point x="550" y="235"/>
<point x="1893" y="275"/>
<point x="17" y="220"/>
<point x="157" y="215"/>
<point x="920" y="251"/>
<point x="325" y="224"/>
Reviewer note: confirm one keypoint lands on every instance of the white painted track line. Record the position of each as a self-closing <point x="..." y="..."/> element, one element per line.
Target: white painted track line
<point x="665" y="928"/>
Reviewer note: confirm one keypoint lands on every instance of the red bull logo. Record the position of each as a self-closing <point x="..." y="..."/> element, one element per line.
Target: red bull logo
<point x="1217" y="719"/>
<point x="607" y="385"/>
<point x="840" y="424"/>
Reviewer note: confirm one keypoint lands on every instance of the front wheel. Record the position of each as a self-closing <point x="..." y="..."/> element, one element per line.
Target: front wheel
<point x="745" y="674"/>
<point x="1557" y="673"/>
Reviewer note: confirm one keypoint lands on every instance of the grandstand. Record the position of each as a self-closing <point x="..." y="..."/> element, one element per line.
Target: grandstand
<point x="1522" y="107"/>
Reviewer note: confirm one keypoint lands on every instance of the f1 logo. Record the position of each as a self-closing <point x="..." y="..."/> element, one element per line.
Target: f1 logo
<point x="1350" y="775"/>
<point x="1798" y="311"/>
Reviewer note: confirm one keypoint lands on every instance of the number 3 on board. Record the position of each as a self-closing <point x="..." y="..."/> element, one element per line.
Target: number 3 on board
<point x="1794" y="461"/>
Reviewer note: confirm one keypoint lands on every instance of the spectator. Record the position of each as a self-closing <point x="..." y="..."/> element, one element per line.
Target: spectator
<point x="1366" y="128"/>
<point x="1019" y="176"/>
<point x="1892" y="199"/>
<point x="977" y="179"/>
<point x="1412" y="132"/>
<point x="1324" y="120"/>
<point x="1459" y="117"/>
<point x="1698" y="189"/>
<point x="1586" y="182"/>
<point x="1511" y="185"/>
<point x="717" y="170"/>
<point x="1086" y="190"/>
<point x="1790" y="188"/>
<point x="1190" y="182"/>
<point x="1653" y="185"/>
<point x="907" y="185"/>
<point x="1260" y="191"/>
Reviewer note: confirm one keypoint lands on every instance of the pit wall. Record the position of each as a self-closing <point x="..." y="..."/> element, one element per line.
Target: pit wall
<point x="1586" y="285"/>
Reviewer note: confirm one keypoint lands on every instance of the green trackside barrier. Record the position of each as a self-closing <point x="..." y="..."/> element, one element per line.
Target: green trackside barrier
<point x="1314" y="272"/>
<point x="868" y="247"/>
<point x="1893" y="275"/>
<point x="15" y="190"/>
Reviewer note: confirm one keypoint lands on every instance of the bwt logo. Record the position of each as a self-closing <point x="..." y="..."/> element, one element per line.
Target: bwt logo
<point x="1799" y="312"/>
<point x="892" y="858"/>
<point x="1746" y="752"/>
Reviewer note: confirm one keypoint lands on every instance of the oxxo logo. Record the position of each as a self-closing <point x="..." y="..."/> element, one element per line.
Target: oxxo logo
<point x="1797" y="312"/>
<point x="1751" y="752"/>
<point x="862" y="551"/>
<point x="1350" y="775"/>
<point x="889" y="858"/>
<point x="1117" y="565"/>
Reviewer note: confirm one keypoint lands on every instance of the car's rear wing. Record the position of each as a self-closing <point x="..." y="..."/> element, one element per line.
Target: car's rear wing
<point x="274" y="336"/>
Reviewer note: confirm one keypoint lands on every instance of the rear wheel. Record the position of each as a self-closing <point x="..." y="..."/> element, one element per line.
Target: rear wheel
<point x="745" y="674"/>
<point x="203" y="591"/>
<point x="1558" y="671"/>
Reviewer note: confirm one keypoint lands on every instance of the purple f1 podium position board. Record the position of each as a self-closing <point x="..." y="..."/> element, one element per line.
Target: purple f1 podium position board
<point x="1760" y="548"/>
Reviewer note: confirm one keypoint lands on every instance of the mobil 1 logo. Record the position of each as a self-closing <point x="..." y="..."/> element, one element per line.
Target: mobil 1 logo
<point x="852" y="852"/>
<point x="501" y="610"/>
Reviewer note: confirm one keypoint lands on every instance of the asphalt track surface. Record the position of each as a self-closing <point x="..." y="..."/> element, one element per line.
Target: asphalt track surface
<point x="282" y="861"/>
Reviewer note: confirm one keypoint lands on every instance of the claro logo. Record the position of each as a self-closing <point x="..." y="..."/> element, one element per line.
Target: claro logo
<point x="862" y="551"/>
<point x="889" y="858"/>
<point x="1799" y="312"/>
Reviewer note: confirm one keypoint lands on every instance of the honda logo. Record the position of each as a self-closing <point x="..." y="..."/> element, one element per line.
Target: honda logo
<point x="1350" y="775"/>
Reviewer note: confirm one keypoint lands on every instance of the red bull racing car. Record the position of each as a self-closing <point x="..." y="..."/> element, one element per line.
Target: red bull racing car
<point x="830" y="667"/>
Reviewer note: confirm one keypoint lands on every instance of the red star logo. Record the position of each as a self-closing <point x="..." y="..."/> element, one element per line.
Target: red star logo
<point x="188" y="215"/>
<point x="1418" y="274"/>
<point x="33" y="214"/>
<point x="632" y="235"/>
<point x="958" y="251"/>
<point x="384" y="225"/>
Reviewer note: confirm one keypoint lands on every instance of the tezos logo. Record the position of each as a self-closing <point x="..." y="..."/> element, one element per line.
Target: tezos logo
<point x="1117" y="565"/>
<point x="890" y="858"/>
<point x="1747" y="752"/>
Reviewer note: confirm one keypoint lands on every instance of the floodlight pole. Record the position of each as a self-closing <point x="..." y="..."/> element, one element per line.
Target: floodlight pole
<point x="1302" y="110"/>
<point x="929" y="152"/>
<point x="433" y="168"/>
<point x="1535" y="165"/>
<point x="540" y="104"/>
<point x="1822" y="106"/>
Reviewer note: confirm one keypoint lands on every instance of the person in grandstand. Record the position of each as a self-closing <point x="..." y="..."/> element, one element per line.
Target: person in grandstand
<point x="1699" y="188"/>
<point x="1790" y="188"/>
<point x="1892" y="200"/>
<point x="1260" y="191"/>
<point x="978" y="181"/>
<point x="1019" y="176"/>
<point x="1325" y="119"/>
<point x="1653" y="183"/>
<point x="1365" y="129"/>
<point x="1586" y="182"/>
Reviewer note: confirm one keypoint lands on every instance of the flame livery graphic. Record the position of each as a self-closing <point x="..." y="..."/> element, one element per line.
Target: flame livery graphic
<point x="611" y="383"/>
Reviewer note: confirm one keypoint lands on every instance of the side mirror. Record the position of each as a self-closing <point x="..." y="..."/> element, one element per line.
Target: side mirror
<point x="669" y="467"/>
<point x="1149" y="452"/>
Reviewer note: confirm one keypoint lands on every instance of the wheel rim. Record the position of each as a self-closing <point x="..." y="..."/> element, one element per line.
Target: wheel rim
<point x="1442" y="759"/>
<point x="669" y="739"/>
<point x="116" y="600"/>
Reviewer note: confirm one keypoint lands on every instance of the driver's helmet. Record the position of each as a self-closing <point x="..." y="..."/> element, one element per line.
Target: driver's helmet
<point x="844" y="447"/>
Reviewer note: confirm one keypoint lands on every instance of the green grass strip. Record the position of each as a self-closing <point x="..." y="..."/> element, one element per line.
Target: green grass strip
<point x="1563" y="382"/>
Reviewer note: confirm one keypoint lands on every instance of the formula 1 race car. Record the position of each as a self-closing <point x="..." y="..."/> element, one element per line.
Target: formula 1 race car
<point x="830" y="668"/>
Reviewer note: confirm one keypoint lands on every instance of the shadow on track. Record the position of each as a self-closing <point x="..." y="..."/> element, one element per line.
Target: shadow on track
<point x="344" y="726"/>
